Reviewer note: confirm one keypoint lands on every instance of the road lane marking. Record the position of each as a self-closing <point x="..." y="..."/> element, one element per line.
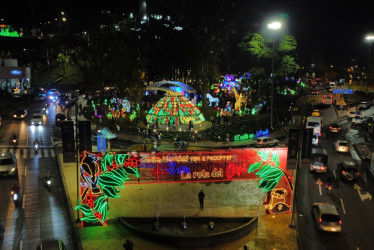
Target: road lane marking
<point x="25" y="170"/>
<point x="21" y="244"/>
<point x="45" y="152"/>
<point x="4" y="150"/>
<point x="32" y="154"/>
<point x="341" y="202"/>
<point x="52" y="152"/>
<point x="319" y="183"/>
<point x="334" y="173"/>
<point x="24" y="153"/>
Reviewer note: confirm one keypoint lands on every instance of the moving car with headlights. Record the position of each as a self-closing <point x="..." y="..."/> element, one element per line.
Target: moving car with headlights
<point x="341" y="146"/>
<point x="348" y="170"/>
<point x="53" y="95"/>
<point x="319" y="159"/>
<point x="8" y="164"/>
<point x="19" y="114"/>
<point x="37" y="119"/>
<point x="326" y="217"/>
<point x="335" y="128"/>
<point x="266" y="142"/>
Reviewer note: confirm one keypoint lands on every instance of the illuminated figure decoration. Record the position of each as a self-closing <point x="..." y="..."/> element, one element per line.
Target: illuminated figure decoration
<point x="212" y="100"/>
<point x="101" y="175"/>
<point x="240" y="100"/>
<point x="6" y="30"/>
<point x="270" y="175"/>
<point x="176" y="109"/>
<point x="277" y="203"/>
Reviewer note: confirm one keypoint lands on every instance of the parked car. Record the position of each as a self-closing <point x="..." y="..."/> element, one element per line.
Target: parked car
<point x="335" y="128"/>
<point x="8" y="164"/>
<point x="19" y="114"/>
<point x="348" y="170"/>
<point x="326" y="217"/>
<point x="58" y="118"/>
<point x="341" y="146"/>
<point x="357" y="120"/>
<point x="364" y="106"/>
<point x="266" y="142"/>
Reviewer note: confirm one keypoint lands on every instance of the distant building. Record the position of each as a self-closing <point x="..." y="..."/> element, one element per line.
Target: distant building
<point x="12" y="76"/>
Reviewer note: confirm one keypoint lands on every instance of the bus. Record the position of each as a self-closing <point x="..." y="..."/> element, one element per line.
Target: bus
<point x="315" y="123"/>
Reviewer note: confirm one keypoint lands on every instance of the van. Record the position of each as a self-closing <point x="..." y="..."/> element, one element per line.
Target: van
<point x="37" y="119"/>
<point x="319" y="159"/>
<point x="315" y="123"/>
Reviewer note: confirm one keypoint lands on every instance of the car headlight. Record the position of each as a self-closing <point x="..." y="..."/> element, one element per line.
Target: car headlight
<point x="15" y="116"/>
<point x="13" y="169"/>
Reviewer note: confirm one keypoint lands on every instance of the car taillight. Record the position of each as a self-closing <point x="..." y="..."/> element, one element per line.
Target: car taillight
<point x="340" y="222"/>
<point x="358" y="173"/>
<point x="340" y="128"/>
<point x="320" y="220"/>
<point x="343" y="172"/>
<point x="330" y="127"/>
<point x="260" y="142"/>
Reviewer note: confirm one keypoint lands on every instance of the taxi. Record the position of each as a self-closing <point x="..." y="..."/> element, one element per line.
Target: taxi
<point x="316" y="112"/>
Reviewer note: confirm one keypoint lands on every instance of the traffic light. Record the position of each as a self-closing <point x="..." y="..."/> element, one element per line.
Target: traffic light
<point x="85" y="143"/>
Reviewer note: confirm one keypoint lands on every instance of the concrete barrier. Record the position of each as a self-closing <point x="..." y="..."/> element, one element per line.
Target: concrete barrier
<point x="188" y="239"/>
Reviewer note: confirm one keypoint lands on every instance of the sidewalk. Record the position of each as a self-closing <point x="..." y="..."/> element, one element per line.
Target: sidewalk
<point x="174" y="199"/>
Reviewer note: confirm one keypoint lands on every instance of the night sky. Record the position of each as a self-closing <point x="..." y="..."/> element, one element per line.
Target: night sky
<point x="338" y="27"/>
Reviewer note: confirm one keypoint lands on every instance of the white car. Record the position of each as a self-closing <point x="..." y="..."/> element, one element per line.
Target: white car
<point x="358" y="119"/>
<point x="266" y="142"/>
<point x="8" y="164"/>
<point x="353" y="113"/>
<point x="326" y="217"/>
<point x="37" y="119"/>
<point x="315" y="140"/>
<point x="341" y="146"/>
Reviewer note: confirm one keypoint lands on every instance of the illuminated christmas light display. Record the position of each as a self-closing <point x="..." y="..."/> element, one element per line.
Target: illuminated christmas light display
<point x="101" y="176"/>
<point x="174" y="108"/>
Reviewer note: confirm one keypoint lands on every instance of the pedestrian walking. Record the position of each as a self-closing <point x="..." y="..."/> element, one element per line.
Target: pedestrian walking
<point x="118" y="128"/>
<point x="227" y="138"/>
<point x="155" y="144"/>
<point x="128" y="245"/>
<point x="201" y="199"/>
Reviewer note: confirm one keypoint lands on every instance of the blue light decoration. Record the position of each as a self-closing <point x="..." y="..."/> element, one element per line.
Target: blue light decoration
<point x="16" y="72"/>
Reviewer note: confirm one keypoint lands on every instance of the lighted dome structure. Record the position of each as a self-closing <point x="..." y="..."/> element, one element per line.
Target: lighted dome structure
<point x="174" y="108"/>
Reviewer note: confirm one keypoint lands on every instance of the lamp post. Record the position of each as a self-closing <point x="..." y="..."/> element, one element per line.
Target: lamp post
<point x="369" y="38"/>
<point x="275" y="25"/>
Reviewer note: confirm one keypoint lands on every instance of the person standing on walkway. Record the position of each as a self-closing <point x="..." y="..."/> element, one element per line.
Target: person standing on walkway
<point x="201" y="199"/>
<point x="145" y="146"/>
<point x="227" y="138"/>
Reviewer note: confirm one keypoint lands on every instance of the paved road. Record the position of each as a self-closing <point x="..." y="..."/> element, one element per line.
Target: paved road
<point x="40" y="214"/>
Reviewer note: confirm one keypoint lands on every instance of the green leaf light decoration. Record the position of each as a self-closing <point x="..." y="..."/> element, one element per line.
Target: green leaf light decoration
<point x="269" y="174"/>
<point x="102" y="177"/>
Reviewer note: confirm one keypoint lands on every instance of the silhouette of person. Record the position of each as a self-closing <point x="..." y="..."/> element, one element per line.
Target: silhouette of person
<point x="201" y="199"/>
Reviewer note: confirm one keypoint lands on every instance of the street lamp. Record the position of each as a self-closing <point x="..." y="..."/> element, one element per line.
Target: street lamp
<point x="369" y="38"/>
<point x="275" y="25"/>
